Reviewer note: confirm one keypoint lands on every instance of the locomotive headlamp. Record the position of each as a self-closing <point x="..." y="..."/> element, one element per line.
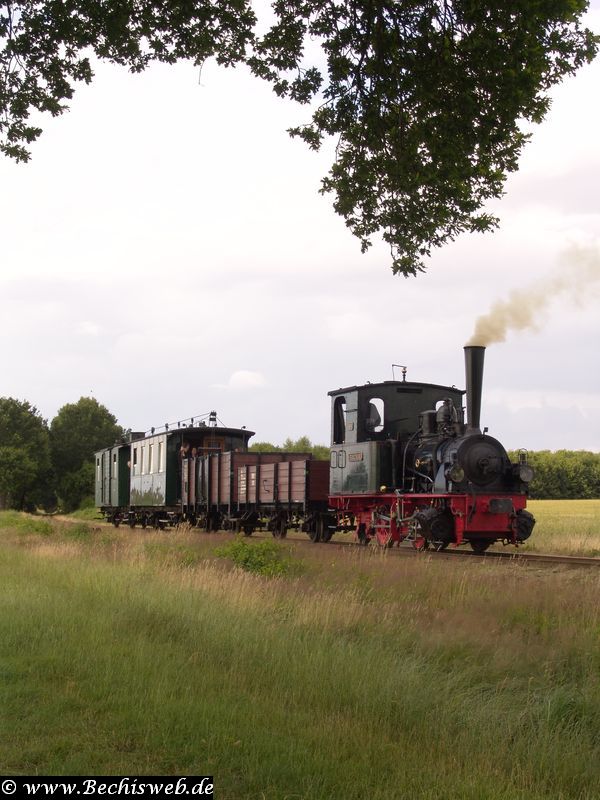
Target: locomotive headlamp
<point x="456" y="473"/>
<point x="526" y="473"/>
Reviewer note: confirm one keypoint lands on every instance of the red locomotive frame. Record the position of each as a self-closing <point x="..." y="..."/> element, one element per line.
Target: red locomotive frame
<point x="389" y="518"/>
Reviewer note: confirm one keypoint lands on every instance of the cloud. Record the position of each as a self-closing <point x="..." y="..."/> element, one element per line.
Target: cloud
<point x="241" y="380"/>
<point x="88" y="328"/>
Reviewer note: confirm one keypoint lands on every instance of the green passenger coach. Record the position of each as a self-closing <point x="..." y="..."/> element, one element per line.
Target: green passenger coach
<point x="139" y="479"/>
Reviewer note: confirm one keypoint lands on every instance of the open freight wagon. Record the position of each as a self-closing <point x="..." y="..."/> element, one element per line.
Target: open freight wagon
<point x="244" y="491"/>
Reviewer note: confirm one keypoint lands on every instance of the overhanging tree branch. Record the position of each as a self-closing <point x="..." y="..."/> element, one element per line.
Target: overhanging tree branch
<point x="423" y="98"/>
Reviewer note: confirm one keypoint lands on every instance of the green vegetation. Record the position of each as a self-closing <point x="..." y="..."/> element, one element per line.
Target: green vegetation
<point x="264" y="558"/>
<point x="565" y="474"/>
<point x="25" y="479"/>
<point x="425" y="101"/>
<point x="88" y="513"/>
<point x="370" y="675"/>
<point x="301" y="445"/>
<point x="25" y="524"/>
<point x="43" y="466"/>
<point x="77" y="431"/>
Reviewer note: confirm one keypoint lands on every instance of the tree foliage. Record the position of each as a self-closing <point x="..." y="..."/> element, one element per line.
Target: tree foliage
<point x="424" y="99"/>
<point x="301" y="445"/>
<point x="46" y="48"/>
<point x="77" y="431"/>
<point x="565" y="474"/>
<point x="25" y="472"/>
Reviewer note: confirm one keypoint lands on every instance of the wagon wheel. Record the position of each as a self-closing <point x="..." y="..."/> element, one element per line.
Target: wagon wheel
<point x="144" y="521"/>
<point x="132" y="521"/>
<point x="248" y="529"/>
<point x="279" y="530"/>
<point x="315" y="531"/>
<point x="479" y="546"/>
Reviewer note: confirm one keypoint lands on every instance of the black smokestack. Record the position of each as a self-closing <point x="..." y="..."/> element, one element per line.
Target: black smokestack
<point x="474" y="356"/>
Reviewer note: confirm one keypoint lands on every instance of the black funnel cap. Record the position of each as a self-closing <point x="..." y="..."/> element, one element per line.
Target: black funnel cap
<point x="474" y="356"/>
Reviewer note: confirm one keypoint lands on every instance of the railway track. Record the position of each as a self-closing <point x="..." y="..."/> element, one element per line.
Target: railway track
<point x="542" y="558"/>
<point x="512" y="556"/>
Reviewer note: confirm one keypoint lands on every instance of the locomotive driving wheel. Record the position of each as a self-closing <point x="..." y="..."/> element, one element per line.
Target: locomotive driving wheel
<point x="433" y="528"/>
<point x="479" y="546"/>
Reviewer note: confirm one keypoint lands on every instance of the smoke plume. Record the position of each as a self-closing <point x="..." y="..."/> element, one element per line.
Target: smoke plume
<point x="576" y="282"/>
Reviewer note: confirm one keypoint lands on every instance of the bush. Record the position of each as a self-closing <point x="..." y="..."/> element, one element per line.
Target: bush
<point x="263" y="558"/>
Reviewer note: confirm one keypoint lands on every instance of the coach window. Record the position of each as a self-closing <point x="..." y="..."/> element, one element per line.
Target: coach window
<point x="97" y="469"/>
<point x="374" y="420"/>
<point x="135" y="461"/>
<point x="150" y="458"/>
<point x="339" y="420"/>
<point x="161" y="463"/>
<point x="114" y="465"/>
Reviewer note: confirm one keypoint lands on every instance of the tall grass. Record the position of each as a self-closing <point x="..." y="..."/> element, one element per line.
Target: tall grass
<point x="365" y="676"/>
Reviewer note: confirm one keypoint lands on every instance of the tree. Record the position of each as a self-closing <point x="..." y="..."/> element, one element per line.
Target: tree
<point x="564" y="474"/>
<point x="25" y="473"/>
<point x="424" y="99"/>
<point x="264" y="447"/>
<point x="77" y="431"/>
<point x="301" y="445"/>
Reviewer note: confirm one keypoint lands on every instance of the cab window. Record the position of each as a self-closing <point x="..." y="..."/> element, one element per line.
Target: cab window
<point x="339" y="420"/>
<point x="374" y="421"/>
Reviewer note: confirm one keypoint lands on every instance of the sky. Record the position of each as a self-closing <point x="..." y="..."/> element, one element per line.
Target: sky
<point x="167" y="252"/>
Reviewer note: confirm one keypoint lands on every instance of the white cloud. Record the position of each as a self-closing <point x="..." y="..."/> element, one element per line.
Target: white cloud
<point x="518" y="400"/>
<point x="87" y="328"/>
<point x="241" y="380"/>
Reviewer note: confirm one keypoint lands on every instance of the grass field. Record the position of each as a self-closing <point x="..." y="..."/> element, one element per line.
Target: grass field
<point x="565" y="526"/>
<point x="351" y="675"/>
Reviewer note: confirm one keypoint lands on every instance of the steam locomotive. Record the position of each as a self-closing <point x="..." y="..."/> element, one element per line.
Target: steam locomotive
<point x="404" y="466"/>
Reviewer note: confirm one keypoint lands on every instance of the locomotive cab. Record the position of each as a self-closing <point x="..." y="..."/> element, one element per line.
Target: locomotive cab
<point x="374" y="424"/>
